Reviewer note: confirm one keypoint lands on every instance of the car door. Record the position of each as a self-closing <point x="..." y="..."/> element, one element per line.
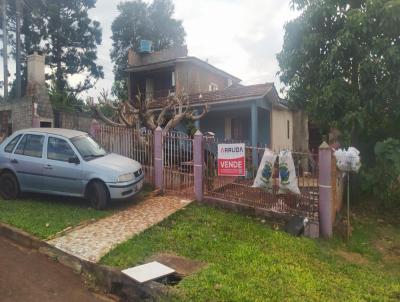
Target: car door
<point x="27" y="161"/>
<point x="62" y="176"/>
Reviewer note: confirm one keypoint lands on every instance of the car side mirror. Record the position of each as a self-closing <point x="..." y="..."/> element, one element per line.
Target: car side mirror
<point x="74" y="160"/>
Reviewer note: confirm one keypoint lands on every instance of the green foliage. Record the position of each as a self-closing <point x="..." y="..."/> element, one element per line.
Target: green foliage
<point x="340" y="61"/>
<point x="383" y="180"/>
<point x="63" y="31"/>
<point x="246" y="260"/>
<point x="139" y="20"/>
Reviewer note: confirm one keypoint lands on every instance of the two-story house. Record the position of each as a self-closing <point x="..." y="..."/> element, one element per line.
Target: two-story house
<point x="254" y="114"/>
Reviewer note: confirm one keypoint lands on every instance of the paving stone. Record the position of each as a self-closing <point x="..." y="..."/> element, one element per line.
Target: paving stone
<point x="96" y="239"/>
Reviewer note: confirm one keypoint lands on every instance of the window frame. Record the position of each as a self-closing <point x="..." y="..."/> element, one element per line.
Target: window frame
<point x="27" y="137"/>
<point x="63" y="139"/>
<point x="18" y="137"/>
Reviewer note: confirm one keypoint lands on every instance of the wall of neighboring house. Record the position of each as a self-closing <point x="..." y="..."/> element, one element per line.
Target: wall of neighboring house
<point x="193" y="79"/>
<point x="72" y="120"/>
<point x="282" y="129"/>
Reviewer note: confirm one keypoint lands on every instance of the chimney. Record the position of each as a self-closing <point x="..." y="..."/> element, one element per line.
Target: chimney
<point x="35" y="67"/>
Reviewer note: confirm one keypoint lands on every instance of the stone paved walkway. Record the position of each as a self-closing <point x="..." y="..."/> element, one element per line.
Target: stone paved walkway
<point x="93" y="241"/>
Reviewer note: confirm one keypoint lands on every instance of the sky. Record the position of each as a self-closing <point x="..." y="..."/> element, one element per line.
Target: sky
<point x="241" y="37"/>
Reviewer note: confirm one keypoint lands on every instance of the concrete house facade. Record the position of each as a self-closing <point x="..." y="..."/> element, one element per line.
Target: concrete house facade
<point x="254" y="114"/>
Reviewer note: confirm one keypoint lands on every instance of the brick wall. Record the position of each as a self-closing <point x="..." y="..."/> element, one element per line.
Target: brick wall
<point x="136" y="59"/>
<point x="22" y="113"/>
<point x="72" y="120"/>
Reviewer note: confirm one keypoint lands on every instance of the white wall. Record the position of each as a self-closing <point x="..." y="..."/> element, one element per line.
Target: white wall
<point x="280" y="139"/>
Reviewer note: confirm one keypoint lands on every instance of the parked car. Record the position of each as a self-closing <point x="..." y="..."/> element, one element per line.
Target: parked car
<point x="65" y="162"/>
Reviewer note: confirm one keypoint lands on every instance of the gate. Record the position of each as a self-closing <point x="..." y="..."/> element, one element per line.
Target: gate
<point x="178" y="164"/>
<point x="240" y="190"/>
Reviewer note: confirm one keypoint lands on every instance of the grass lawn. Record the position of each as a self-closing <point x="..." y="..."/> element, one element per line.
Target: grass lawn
<point x="45" y="215"/>
<point x="249" y="261"/>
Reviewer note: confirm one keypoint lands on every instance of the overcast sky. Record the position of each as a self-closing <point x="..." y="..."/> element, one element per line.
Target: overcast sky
<point x="241" y="37"/>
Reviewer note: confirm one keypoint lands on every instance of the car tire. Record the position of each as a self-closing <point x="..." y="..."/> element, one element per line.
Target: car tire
<point x="98" y="195"/>
<point x="9" y="187"/>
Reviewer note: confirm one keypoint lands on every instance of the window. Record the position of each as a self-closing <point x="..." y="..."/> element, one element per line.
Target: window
<point x="212" y="87"/>
<point x="31" y="145"/>
<point x="11" y="145"/>
<point x="230" y="82"/>
<point x="288" y="129"/>
<point x="59" y="149"/>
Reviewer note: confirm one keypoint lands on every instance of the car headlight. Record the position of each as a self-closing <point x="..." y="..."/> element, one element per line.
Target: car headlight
<point x="125" y="177"/>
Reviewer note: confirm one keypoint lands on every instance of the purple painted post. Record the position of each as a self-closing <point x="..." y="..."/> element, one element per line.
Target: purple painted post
<point x="198" y="163"/>
<point x="158" y="159"/>
<point x="94" y="128"/>
<point x="325" y="190"/>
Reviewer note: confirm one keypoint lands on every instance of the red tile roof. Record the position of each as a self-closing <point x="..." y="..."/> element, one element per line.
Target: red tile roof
<point x="229" y="94"/>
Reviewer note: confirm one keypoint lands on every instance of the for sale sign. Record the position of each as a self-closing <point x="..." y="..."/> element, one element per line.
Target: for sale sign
<point x="231" y="160"/>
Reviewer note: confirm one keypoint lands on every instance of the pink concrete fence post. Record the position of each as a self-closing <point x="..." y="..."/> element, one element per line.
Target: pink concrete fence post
<point x="158" y="159"/>
<point x="325" y="190"/>
<point x="94" y="128"/>
<point x="198" y="154"/>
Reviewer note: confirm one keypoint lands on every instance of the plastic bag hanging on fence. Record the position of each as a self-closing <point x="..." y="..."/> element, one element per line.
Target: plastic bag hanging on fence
<point x="287" y="173"/>
<point x="265" y="171"/>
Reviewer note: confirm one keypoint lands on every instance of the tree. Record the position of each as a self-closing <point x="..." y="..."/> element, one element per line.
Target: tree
<point x="175" y="109"/>
<point x="340" y="61"/>
<point x="63" y="31"/>
<point x="138" y="20"/>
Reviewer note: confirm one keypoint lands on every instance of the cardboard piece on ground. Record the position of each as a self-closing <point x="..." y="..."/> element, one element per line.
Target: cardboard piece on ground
<point x="149" y="271"/>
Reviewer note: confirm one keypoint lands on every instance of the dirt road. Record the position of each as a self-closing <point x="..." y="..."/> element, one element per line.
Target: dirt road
<point x="28" y="276"/>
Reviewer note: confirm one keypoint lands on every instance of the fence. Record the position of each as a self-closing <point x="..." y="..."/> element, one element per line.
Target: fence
<point x="240" y="190"/>
<point x="178" y="164"/>
<point x="135" y="144"/>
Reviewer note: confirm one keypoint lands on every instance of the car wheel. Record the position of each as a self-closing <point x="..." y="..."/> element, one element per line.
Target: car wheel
<point x="98" y="195"/>
<point x="9" y="188"/>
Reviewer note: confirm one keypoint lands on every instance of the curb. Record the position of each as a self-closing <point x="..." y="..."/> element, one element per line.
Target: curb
<point x="107" y="278"/>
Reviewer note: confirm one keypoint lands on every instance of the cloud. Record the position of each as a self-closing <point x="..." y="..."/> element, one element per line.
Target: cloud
<point x="241" y="37"/>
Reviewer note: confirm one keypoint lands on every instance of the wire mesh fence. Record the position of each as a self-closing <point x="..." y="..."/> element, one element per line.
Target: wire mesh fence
<point x="241" y="190"/>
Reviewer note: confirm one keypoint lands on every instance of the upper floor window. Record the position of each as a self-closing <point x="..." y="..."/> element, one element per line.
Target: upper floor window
<point x="173" y="79"/>
<point x="230" y="82"/>
<point x="212" y="87"/>
<point x="288" y="129"/>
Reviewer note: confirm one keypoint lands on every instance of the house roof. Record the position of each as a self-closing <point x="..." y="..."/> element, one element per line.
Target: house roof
<point x="231" y="94"/>
<point x="171" y="62"/>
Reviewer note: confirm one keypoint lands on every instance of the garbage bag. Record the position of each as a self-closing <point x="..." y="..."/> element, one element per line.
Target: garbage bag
<point x="287" y="173"/>
<point x="265" y="172"/>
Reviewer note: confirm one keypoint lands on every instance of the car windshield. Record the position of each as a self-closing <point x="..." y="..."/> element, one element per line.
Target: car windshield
<point x="87" y="147"/>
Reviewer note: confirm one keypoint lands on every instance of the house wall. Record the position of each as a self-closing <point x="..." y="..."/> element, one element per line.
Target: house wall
<point x="192" y="79"/>
<point x="280" y="139"/>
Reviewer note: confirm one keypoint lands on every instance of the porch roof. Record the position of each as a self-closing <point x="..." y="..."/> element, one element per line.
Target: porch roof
<point x="231" y="95"/>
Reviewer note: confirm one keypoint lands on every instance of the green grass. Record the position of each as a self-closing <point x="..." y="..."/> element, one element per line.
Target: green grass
<point x="249" y="261"/>
<point x="45" y="215"/>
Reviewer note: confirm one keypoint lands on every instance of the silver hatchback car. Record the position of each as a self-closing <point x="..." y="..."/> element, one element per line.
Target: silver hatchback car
<point x="65" y="162"/>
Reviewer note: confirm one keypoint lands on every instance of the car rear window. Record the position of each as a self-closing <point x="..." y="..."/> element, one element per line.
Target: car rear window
<point x="11" y="145"/>
<point x="31" y="145"/>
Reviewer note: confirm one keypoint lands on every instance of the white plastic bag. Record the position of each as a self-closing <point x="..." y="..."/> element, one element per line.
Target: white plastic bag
<point x="287" y="173"/>
<point x="348" y="160"/>
<point x="265" y="171"/>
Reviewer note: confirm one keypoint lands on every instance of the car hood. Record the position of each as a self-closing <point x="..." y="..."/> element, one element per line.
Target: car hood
<point x="115" y="162"/>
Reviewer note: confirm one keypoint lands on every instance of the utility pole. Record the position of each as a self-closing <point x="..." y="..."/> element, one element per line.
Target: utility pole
<point x="5" y="65"/>
<point x="18" y="47"/>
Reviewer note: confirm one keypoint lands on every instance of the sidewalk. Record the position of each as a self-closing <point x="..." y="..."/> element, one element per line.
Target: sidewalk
<point x="93" y="241"/>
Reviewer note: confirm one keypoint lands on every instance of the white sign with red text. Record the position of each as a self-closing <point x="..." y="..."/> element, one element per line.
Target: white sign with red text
<point x="231" y="160"/>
